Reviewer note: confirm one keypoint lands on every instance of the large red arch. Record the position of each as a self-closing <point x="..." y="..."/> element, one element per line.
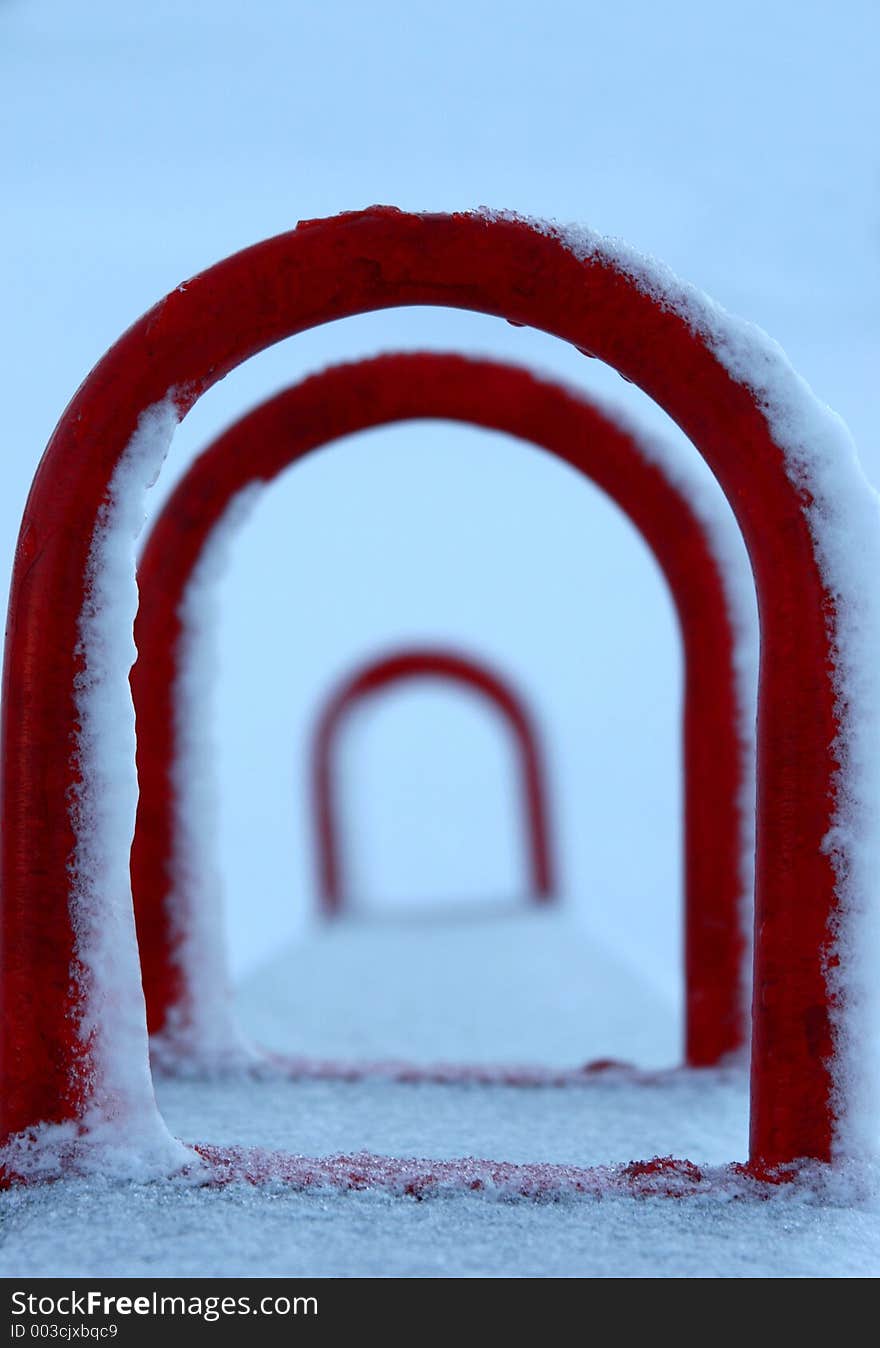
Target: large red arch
<point x="375" y="676"/>
<point x="56" y="1046"/>
<point x="349" y="398"/>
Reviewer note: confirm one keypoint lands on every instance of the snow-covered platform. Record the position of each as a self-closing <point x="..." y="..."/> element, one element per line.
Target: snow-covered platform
<point x="531" y="990"/>
<point x="177" y="1228"/>
<point x="484" y="985"/>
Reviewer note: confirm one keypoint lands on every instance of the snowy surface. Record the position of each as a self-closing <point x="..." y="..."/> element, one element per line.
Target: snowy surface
<point x="516" y="986"/>
<point x="96" y="1230"/>
<point x="594" y="1124"/>
<point x="96" y="1227"/>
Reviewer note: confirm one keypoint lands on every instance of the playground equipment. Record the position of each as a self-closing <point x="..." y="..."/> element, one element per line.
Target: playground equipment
<point x="451" y="667"/>
<point x="72" y="1031"/>
<point x="173" y="900"/>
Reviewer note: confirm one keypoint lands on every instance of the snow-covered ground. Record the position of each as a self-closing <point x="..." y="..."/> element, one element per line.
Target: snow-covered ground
<point x="332" y="995"/>
<point x="511" y="986"/>
<point x="164" y="1230"/>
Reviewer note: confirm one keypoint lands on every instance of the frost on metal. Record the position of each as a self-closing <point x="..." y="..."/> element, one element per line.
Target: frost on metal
<point x="729" y="552"/>
<point x="728" y="549"/>
<point x="843" y="513"/>
<point x="201" y="1034"/>
<point x="120" y="1114"/>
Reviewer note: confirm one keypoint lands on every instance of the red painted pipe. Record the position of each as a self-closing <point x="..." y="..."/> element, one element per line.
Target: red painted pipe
<point x="393" y="388"/>
<point x="451" y="667"/>
<point x="329" y="269"/>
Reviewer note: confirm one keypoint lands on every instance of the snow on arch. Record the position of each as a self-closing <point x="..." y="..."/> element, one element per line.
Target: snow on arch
<point x="451" y="666"/>
<point x="810" y="522"/>
<point x="175" y="889"/>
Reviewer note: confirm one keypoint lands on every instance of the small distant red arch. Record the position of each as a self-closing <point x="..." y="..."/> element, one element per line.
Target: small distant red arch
<point x="402" y="666"/>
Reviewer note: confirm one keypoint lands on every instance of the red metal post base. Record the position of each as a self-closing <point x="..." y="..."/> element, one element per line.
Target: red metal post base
<point x="500" y="397"/>
<point x="450" y="667"/>
<point x="326" y="270"/>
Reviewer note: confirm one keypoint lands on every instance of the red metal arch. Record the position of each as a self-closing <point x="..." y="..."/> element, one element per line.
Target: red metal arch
<point x="50" y="1064"/>
<point x="451" y="667"/>
<point x="353" y="397"/>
